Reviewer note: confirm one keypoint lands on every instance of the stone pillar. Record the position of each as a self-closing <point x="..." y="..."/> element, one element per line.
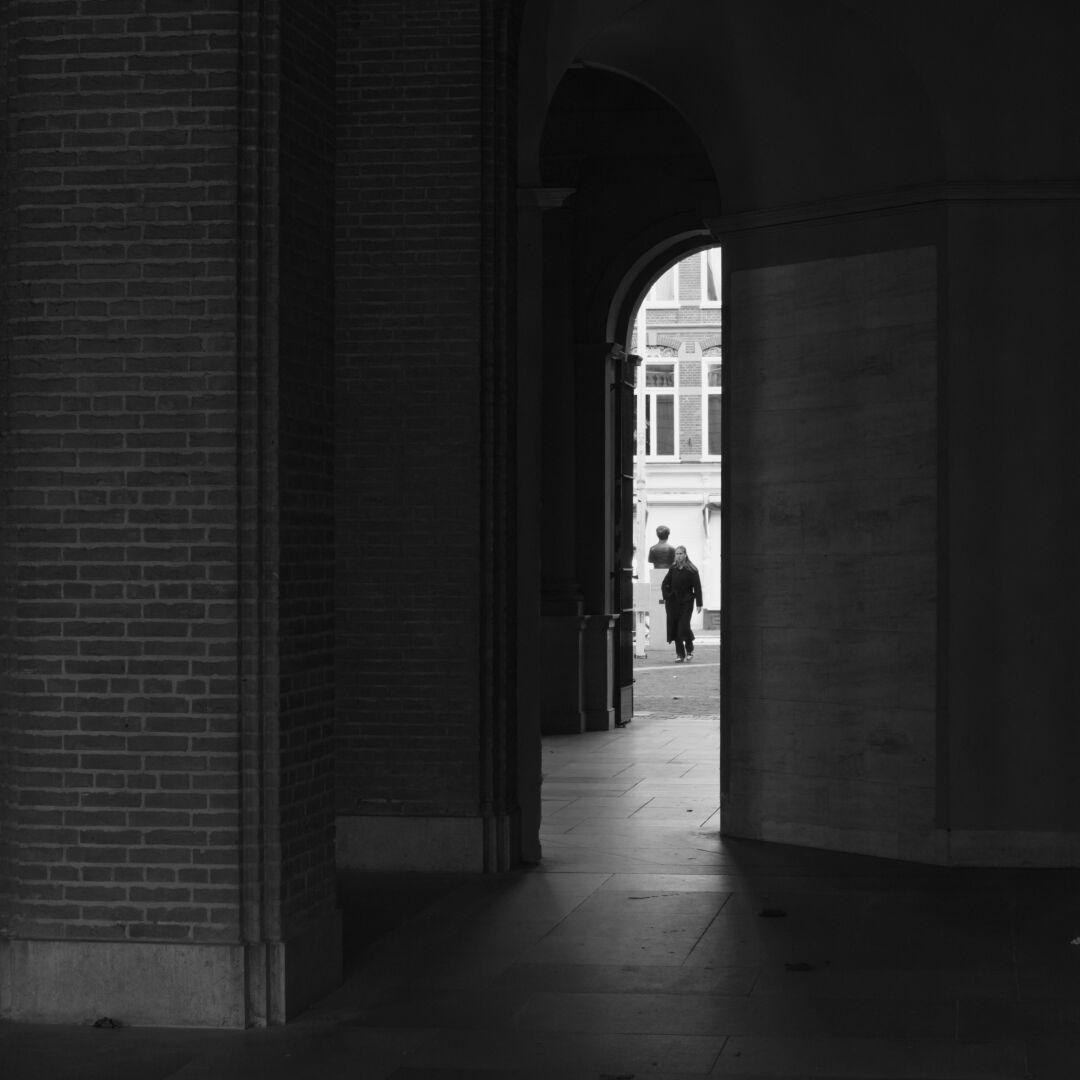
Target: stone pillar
<point x="562" y="604"/>
<point x="595" y="398"/>
<point x="1008" y="793"/>
<point x="832" y="501"/>
<point x="544" y="645"/>
<point x="600" y="690"/>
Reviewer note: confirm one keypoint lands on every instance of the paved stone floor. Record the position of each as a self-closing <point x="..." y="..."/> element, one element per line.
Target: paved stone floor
<point x="647" y="947"/>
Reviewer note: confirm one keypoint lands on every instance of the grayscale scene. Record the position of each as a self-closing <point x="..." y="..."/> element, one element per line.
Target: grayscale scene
<point x="538" y="540"/>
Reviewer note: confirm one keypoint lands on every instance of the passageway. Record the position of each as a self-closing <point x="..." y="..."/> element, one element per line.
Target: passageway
<point x="645" y="797"/>
<point x="646" y="946"/>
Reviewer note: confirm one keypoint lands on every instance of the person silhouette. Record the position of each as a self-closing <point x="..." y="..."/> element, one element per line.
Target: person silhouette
<point x="681" y="590"/>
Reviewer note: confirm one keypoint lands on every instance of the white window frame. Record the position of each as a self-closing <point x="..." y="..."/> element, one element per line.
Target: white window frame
<point x="651" y="301"/>
<point x="708" y="392"/>
<point x="654" y="392"/>
<point x="705" y="301"/>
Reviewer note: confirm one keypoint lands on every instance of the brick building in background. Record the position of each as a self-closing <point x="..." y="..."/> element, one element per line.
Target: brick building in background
<point x="318" y="416"/>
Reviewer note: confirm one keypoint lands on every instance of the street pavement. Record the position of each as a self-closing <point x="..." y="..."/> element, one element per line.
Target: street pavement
<point x="665" y="688"/>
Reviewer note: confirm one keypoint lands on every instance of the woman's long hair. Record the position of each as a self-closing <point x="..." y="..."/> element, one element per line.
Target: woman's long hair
<point x="687" y="564"/>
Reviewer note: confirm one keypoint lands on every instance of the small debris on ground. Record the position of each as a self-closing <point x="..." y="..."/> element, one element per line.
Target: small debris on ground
<point x="106" y="1022"/>
<point x="772" y="913"/>
<point x="799" y="966"/>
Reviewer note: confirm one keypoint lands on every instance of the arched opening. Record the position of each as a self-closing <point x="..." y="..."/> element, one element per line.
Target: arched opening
<point x="607" y="219"/>
<point x="654" y="786"/>
<point x="834" y="338"/>
<point x="857" y="265"/>
<point x="601" y="225"/>
<point x="677" y="343"/>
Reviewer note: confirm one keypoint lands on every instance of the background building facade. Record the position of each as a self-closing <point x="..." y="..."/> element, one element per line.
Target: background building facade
<point x="677" y="478"/>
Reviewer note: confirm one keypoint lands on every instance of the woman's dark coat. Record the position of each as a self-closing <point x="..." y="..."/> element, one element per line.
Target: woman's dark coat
<point x="680" y="590"/>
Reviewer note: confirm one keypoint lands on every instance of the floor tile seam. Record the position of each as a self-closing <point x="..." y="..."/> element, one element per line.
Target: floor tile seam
<point x="652" y="833"/>
<point x="651" y="759"/>
<point x="719" y="1054"/>
<point x="643" y="751"/>
<point x="566" y="915"/>
<point x="605" y="797"/>
<point x="637" y="765"/>
<point x="716" y="915"/>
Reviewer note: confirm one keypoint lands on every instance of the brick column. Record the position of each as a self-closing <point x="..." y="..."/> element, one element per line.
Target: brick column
<point x="562" y="610"/>
<point x="168" y="849"/>
<point x="426" y="757"/>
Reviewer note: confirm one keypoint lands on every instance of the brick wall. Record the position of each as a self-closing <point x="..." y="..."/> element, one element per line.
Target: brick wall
<point x="120" y="465"/>
<point x="305" y="467"/>
<point x="8" y="77"/>
<point x="690" y="407"/>
<point x="408" y="400"/>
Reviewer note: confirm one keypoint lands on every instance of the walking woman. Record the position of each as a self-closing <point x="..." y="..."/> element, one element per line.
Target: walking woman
<point x="681" y="589"/>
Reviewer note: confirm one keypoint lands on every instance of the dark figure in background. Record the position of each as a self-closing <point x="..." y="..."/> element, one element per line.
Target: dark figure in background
<point x="662" y="555"/>
<point x="681" y="589"/>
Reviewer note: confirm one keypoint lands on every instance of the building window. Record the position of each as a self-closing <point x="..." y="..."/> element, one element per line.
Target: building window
<point x="661" y="416"/>
<point x="665" y="289"/>
<point x="710" y="277"/>
<point x="713" y="407"/>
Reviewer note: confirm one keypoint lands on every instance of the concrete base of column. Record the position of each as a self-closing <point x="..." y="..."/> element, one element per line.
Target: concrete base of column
<point x="160" y="984"/>
<point x="927" y="846"/>
<point x="432" y="844"/>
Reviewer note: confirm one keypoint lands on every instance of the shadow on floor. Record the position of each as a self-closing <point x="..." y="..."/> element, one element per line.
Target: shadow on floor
<point x="373" y="904"/>
<point x="646" y="945"/>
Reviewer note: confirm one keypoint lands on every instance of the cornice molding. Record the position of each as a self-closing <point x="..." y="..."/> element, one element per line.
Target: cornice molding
<point x="1051" y="191"/>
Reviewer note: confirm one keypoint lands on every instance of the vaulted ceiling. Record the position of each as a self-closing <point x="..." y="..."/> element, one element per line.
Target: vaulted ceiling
<point x="796" y="101"/>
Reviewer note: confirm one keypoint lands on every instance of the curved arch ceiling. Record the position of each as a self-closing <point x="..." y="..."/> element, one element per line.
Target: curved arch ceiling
<point x="792" y="101"/>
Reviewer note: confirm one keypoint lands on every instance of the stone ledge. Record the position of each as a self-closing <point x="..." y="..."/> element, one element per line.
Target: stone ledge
<point x="163" y="984"/>
<point x="134" y="983"/>
<point x="989" y="849"/>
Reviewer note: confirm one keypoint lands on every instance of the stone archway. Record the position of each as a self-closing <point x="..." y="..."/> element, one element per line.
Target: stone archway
<point x="588" y="244"/>
<point x="600" y="250"/>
